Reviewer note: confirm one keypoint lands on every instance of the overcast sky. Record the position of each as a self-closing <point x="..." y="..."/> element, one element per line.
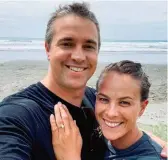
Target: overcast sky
<point x="119" y="20"/>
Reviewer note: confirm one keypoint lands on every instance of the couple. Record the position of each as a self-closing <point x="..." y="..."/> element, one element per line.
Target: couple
<point x="72" y="43"/>
<point x="121" y="98"/>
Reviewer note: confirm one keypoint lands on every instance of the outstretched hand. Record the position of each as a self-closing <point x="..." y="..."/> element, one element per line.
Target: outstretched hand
<point x="66" y="137"/>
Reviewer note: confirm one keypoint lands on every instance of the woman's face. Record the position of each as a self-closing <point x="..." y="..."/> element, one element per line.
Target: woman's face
<point x="118" y="105"/>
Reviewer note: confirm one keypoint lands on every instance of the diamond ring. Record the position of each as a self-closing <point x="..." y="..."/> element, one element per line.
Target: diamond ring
<point x="61" y="126"/>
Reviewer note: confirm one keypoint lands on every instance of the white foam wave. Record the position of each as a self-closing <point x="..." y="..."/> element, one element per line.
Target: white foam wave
<point x="21" y="45"/>
<point x="133" y="46"/>
<point x="6" y="45"/>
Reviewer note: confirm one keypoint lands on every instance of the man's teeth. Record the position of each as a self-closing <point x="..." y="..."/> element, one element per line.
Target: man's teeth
<point x="112" y="124"/>
<point x="76" y="69"/>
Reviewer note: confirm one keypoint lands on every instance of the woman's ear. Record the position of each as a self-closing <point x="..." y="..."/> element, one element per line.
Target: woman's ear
<point x="143" y="107"/>
<point x="47" y="48"/>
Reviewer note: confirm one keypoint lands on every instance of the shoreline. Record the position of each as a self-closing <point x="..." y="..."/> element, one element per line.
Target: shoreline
<point x="17" y="75"/>
<point x="21" y="73"/>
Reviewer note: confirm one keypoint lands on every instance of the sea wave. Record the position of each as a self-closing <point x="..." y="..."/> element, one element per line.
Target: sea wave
<point x="133" y="46"/>
<point x="19" y="45"/>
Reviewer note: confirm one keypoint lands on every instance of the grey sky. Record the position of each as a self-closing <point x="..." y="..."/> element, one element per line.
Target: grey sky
<point x="119" y="20"/>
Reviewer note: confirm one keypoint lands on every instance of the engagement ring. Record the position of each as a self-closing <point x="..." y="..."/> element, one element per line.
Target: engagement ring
<point x="61" y="126"/>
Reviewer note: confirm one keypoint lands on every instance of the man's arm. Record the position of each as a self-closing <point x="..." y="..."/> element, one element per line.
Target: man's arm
<point x="160" y="142"/>
<point x="16" y="136"/>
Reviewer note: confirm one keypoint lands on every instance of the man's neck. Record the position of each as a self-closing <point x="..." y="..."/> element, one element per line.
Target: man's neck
<point x="73" y="96"/>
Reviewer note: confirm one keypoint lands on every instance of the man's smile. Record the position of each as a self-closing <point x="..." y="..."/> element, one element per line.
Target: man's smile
<point x="76" y="69"/>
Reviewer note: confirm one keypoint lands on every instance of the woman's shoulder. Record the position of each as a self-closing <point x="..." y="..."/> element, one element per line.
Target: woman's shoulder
<point x="144" y="149"/>
<point x="151" y="148"/>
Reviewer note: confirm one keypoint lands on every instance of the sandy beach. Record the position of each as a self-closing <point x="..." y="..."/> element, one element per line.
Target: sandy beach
<point x="16" y="75"/>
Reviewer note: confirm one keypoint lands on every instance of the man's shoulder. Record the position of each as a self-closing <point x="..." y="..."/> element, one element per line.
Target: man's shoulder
<point x="90" y="92"/>
<point x="18" y="107"/>
<point x="18" y="103"/>
<point x="90" y="96"/>
<point x="18" y="113"/>
<point x="91" y="89"/>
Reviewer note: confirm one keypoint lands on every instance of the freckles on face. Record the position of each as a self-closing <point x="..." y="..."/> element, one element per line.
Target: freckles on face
<point x="117" y="104"/>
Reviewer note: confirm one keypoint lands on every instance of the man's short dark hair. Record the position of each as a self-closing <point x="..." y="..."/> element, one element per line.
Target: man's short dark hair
<point x="79" y="9"/>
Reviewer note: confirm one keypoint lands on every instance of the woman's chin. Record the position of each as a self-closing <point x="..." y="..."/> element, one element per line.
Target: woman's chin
<point x="111" y="136"/>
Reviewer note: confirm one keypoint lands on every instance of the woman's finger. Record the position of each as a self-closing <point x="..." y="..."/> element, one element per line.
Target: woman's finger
<point x="58" y="118"/>
<point x="66" y="120"/>
<point x="53" y="124"/>
<point x="54" y="128"/>
<point x="71" y="121"/>
<point x="76" y="127"/>
<point x="67" y="112"/>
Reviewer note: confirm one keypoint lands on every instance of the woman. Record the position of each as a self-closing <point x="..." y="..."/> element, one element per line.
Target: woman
<point x="122" y="96"/>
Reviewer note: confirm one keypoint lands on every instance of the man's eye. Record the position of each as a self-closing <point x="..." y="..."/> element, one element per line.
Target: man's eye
<point x="103" y="100"/>
<point x="125" y="103"/>
<point x="89" y="47"/>
<point x="67" y="44"/>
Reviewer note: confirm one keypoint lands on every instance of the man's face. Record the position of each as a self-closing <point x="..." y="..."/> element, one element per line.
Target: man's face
<point x="73" y="51"/>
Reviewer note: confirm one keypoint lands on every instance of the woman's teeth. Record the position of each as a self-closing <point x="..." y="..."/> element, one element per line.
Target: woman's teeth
<point x="111" y="124"/>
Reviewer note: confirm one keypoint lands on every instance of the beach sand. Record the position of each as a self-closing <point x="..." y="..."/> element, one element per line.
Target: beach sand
<point x="16" y="75"/>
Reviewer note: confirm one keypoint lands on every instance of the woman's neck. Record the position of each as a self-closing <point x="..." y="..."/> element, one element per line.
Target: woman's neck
<point x="128" y="139"/>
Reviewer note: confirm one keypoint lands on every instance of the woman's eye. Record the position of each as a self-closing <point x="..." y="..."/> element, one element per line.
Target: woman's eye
<point x="103" y="100"/>
<point x="125" y="103"/>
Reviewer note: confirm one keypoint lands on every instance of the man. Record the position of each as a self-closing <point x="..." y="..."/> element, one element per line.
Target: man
<point x="72" y="43"/>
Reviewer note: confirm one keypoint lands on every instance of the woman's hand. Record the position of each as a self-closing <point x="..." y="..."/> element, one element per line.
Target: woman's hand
<point x="66" y="137"/>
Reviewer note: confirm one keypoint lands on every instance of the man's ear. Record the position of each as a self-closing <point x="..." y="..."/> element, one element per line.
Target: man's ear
<point x="143" y="107"/>
<point x="47" y="48"/>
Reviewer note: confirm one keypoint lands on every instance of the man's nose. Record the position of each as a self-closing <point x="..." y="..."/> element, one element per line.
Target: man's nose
<point x="78" y="55"/>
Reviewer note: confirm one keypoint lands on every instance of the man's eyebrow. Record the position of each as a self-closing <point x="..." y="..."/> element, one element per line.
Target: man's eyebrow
<point x="66" y="39"/>
<point x="91" y="41"/>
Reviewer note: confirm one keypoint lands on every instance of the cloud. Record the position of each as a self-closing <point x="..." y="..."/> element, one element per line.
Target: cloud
<point x="29" y="18"/>
<point x="130" y="11"/>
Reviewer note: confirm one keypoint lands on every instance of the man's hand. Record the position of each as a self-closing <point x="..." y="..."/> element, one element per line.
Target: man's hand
<point x="161" y="142"/>
<point x="164" y="151"/>
<point x="66" y="137"/>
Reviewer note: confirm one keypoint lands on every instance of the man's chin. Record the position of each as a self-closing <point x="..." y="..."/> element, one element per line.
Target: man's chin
<point x="76" y="85"/>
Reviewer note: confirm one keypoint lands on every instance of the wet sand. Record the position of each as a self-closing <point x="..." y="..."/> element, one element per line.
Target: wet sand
<point x="16" y="75"/>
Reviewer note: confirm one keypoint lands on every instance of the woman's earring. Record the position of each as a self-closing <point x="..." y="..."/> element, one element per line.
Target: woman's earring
<point x="99" y="131"/>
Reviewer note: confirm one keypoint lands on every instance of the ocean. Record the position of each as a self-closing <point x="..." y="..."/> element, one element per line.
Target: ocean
<point x="147" y="52"/>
